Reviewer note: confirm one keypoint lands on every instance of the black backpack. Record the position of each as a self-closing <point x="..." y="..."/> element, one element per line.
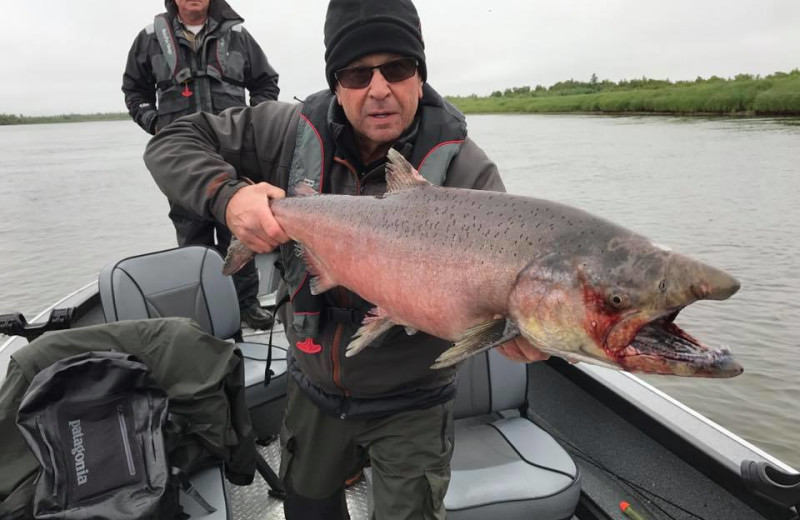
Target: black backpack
<point x="95" y="424"/>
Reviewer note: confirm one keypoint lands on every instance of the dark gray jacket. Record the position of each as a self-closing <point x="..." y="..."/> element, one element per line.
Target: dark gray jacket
<point x="198" y="162"/>
<point x="223" y="60"/>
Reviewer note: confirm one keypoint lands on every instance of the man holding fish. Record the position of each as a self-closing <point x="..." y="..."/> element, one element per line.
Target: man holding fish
<point x="409" y="265"/>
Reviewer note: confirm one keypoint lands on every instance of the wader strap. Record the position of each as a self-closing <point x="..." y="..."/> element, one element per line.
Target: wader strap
<point x="169" y="48"/>
<point x="434" y="165"/>
<point x="268" y="373"/>
<point x="221" y="52"/>
<point x="213" y="71"/>
<point x="343" y="315"/>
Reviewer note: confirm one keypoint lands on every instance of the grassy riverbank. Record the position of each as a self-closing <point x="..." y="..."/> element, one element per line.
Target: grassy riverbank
<point x="776" y="94"/>
<point x="11" y="119"/>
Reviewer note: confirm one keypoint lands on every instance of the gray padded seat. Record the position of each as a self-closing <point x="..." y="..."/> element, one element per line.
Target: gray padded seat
<point x="186" y="282"/>
<point x="504" y="467"/>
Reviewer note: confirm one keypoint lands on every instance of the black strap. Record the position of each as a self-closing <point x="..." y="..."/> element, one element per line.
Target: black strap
<point x="169" y="83"/>
<point x="187" y="487"/>
<point x="268" y="373"/>
<point x="343" y="315"/>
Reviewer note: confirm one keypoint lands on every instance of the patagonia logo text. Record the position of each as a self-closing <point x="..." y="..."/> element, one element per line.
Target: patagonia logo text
<point x="77" y="452"/>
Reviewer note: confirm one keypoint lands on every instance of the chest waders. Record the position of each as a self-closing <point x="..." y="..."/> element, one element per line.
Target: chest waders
<point x="441" y="132"/>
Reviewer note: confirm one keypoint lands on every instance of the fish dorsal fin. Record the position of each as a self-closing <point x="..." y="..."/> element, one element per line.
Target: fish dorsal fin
<point x="400" y="175"/>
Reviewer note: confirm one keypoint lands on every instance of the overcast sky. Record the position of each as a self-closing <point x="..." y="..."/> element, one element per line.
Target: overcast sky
<point x="64" y="56"/>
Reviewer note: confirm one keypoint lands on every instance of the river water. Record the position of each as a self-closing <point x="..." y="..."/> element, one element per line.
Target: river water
<point x="77" y="196"/>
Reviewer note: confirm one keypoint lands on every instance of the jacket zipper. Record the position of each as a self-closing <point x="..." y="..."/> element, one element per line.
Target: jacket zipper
<point x="152" y="437"/>
<point x="344" y="297"/>
<point x="123" y="427"/>
<point x="337" y="371"/>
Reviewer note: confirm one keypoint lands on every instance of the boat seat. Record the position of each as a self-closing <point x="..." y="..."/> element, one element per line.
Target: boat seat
<point x="186" y="282"/>
<point x="504" y="466"/>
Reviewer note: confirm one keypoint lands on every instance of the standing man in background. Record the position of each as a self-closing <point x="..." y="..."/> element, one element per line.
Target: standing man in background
<point x="197" y="57"/>
<point x="385" y="405"/>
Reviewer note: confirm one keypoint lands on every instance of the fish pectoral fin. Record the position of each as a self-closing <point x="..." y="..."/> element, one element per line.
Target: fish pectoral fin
<point x="236" y="257"/>
<point x="375" y="324"/>
<point x="400" y="175"/>
<point x="320" y="282"/>
<point x="476" y="340"/>
<point x="311" y="261"/>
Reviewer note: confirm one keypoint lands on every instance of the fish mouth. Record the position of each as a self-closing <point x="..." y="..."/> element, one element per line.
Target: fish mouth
<point x="662" y="347"/>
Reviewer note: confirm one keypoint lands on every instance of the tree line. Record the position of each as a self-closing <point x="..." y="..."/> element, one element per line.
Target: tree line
<point x="745" y="94"/>
<point x="12" y="119"/>
<point x="573" y="87"/>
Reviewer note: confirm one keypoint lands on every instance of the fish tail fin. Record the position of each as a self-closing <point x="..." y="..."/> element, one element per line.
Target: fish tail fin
<point x="237" y="256"/>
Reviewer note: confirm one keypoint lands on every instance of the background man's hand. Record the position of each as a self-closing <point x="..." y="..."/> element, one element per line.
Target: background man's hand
<point x="250" y="218"/>
<point x="519" y="349"/>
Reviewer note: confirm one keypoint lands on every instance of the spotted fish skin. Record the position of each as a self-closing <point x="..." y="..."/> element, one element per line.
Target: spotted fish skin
<point x="477" y="268"/>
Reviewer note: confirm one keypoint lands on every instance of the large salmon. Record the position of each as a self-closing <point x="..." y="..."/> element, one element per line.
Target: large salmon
<point x="479" y="268"/>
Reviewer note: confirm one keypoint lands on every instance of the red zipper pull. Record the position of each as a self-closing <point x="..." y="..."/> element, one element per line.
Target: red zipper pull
<point x="186" y="92"/>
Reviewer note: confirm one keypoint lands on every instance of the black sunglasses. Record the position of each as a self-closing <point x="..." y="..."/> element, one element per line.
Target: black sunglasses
<point x="393" y="71"/>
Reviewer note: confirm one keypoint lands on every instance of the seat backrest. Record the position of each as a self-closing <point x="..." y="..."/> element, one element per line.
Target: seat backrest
<point x="490" y="383"/>
<point x="173" y="283"/>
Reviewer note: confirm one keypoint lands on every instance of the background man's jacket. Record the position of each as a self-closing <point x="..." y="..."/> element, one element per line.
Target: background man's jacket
<point x="217" y="64"/>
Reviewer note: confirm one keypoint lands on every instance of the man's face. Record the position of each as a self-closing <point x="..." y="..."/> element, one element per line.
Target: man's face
<point x="381" y="111"/>
<point x="191" y="9"/>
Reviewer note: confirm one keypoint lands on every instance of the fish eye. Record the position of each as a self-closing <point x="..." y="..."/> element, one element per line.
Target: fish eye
<point x="618" y="299"/>
<point x="662" y="286"/>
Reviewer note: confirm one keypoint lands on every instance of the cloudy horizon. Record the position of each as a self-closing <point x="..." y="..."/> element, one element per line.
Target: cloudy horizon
<point x="71" y="59"/>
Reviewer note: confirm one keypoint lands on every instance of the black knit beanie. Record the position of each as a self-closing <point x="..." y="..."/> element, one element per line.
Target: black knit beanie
<point x="356" y="28"/>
